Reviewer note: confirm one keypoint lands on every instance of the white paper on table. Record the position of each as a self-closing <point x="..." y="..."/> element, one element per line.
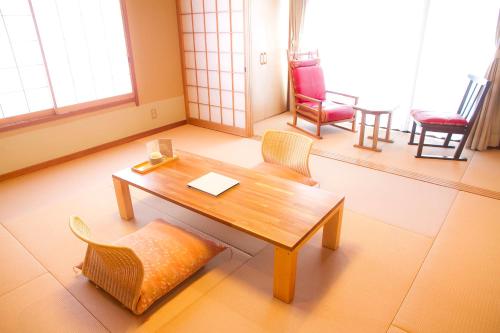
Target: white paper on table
<point x="213" y="183"/>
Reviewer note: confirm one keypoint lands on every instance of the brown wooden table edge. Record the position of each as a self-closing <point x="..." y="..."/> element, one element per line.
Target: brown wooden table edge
<point x="301" y="242"/>
<point x="128" y="217"/>
<point x="128" y="213"/>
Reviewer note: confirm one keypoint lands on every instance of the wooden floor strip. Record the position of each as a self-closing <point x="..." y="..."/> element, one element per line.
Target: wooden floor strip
<point x="404" y="173"/>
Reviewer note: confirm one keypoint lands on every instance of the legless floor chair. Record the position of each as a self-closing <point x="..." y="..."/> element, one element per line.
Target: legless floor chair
<point x="143" y="266"/>
<point x="286" y="155"/>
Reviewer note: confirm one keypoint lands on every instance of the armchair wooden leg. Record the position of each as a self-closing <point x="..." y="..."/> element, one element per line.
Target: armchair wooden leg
<point x="447" y="141"/>
<point x="460" y="147"/>
<point x="421" y="143"/>
<point x="318" y="129"/>
<point x="354" y="124"/>
<point x="412" y="135"/>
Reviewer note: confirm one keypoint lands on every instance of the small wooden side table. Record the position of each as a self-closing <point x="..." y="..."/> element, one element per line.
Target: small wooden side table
<point x="377" y="112"/>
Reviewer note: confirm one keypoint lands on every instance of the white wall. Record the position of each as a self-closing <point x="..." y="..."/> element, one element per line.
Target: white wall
<point x="35" y="144"/>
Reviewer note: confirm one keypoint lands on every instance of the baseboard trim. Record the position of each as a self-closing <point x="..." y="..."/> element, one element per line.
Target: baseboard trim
<point x="81" y="153"/>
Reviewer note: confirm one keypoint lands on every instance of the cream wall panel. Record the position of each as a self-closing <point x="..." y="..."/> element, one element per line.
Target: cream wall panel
<point x="32" y="145"/>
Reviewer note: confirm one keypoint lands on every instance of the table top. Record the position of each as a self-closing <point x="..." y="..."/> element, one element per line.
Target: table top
<point x="375" y="109"/>
<point x="276" y="210"/>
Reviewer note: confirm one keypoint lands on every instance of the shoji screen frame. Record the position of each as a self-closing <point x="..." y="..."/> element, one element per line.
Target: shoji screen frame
<point x="247" y="131"/>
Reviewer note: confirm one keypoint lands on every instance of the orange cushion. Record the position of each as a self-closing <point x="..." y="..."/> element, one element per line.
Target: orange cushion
<point x="283" y="172"/>
<point x="169" y="255"/>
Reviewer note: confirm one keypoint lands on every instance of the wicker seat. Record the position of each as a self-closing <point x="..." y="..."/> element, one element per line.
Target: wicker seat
<point x="143" y="266"/>
<point x="286" y="155"/>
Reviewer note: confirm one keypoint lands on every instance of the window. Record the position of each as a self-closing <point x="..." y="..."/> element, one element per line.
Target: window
<point x="58" y="56"/>
<point x="411" y="54"/>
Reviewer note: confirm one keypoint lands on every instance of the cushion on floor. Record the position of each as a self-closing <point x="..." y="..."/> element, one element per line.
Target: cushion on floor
<point x="429" y="117"/>
<point x="283" y="172"/>
<point x="330" y="112"/>
<point x="169" y="255"/>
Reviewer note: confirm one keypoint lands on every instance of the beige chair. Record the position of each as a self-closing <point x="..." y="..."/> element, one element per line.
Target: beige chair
<point x="286" y="155"/>
<point x="145" y="265"/>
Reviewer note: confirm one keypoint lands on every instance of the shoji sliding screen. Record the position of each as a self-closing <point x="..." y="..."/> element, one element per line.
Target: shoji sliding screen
<point x="213" y="39"/>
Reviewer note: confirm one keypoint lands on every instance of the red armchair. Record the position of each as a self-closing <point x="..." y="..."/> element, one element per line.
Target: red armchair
<point x="310" y="96"/>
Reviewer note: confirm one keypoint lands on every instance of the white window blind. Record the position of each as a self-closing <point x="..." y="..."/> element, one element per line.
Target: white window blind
<point x="85" y="51"/>
<point x="24" y="85"/>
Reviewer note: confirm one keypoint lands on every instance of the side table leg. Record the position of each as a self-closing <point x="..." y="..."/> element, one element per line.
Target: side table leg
<point x="362" y="130"/>
<point x="388" y="130"/>
<point x="285" y="270"/>
<point x="375" y="131"/>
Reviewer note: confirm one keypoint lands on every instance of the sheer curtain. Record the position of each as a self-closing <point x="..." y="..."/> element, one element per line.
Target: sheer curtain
<point x="409" y="54"/>
<point x="486" y="131"/>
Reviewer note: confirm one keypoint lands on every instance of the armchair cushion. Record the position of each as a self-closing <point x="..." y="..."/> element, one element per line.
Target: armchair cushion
<point x="169" y="255"/>
<point x="309" y="81"/>
<point x="428" y="117"/>
<point x="331" y="111"/>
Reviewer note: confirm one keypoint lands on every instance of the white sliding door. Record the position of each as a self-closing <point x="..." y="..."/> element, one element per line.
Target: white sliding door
<point x="213" y="43"/>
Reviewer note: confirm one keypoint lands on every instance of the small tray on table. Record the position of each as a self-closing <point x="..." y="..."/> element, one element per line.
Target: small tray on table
<point x="145" y="167"/>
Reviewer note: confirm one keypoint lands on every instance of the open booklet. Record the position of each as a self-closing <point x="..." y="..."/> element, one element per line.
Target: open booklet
<point x="213" y="183"/>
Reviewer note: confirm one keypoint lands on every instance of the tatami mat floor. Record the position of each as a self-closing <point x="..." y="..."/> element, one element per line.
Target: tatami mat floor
<point x="414" y="257"/>
<point x="478" y="175"/>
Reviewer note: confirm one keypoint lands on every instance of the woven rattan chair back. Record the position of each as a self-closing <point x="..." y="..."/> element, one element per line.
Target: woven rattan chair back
<point x="287" y="149"/>
<point x="115" y="269"/>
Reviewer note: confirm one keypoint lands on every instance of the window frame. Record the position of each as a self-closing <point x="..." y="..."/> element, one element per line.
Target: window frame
<point x="55" y="113"/>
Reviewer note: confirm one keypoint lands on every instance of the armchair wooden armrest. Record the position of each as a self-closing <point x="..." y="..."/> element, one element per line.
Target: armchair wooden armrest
<point x="355" y="98"/>
<point x="314" y="100"/>
<point x="307" y="98"/>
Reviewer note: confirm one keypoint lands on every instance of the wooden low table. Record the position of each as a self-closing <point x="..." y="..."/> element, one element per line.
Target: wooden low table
<point x="279" y="211"/>
<point x="377" y="112"/>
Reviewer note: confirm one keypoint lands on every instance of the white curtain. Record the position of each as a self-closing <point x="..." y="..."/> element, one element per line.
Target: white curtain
<point x="296" y="22"/>
<point x="297" y="14"/>
<point x="486" y="131"/>
<point x="410" y="54"/>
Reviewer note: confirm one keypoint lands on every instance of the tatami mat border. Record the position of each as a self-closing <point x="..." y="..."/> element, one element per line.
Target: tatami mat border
<point x="404" y="173"/>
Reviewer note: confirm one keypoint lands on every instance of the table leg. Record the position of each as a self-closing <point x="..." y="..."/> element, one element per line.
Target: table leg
<point x="361" y="131"/>
<point x="123" y="199"/>
<point x="331" y="229"/>
<point x="375" y="132"/>
<point x="388" y="130"/>
<point x="285" y="270"/>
